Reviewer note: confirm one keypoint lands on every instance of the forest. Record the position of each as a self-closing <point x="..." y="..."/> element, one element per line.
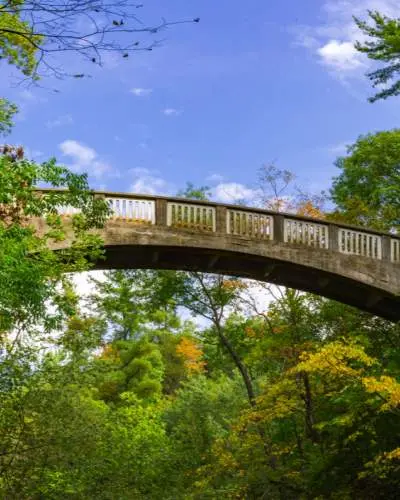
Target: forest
<point x="156" y="384"/>
<point x="165" y="384"/>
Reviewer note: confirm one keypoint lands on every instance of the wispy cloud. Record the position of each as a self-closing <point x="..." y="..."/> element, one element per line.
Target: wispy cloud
<point x="29" y="96"/>
<point x="60" y="121"/>
<point x="341" y="56"/>
<point x="148" y="181"/>
<point x="332" y="41"/>
<point x="171" y="111"/>
<point x="27" y="100"/>
<point x="140" y="92"/>
<point x="85" y="158"/>
<point x="234" y="192"/>
<point x="81" y="154"/>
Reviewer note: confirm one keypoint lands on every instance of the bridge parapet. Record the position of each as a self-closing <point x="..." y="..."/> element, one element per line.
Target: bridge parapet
<point x="251" y="223"/>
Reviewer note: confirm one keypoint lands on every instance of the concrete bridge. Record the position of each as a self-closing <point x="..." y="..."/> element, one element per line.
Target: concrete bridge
<point x="356" y="266"/>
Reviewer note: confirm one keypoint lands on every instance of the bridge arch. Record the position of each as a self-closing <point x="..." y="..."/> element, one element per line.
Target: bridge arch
<point x="356" y="266"/>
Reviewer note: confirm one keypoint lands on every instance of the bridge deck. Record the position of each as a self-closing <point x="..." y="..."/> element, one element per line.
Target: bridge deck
<point x="350" y="264"/>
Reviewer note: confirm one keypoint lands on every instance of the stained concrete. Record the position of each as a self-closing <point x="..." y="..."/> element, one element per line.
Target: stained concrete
<point x="371" y="285"/>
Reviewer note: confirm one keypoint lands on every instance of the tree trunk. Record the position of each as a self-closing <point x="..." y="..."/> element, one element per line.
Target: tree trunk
<point x="308" y="403"/>
<point x="239" y="364"/>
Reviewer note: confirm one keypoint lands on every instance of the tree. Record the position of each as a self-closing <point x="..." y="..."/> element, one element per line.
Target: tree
<point x="210" y="296"/>
<point x="202" y="411"/>
<point x="32" y="31"/>
<point x="31" y="273"/>
<point x="280" y="194"/>
<point x="367" y="191"/>
<point x="7" y="111"/>
<point x="118" y="300"/>
<point x="382" y="44"/>
<point x="192" y="355"/>
<point x="130" y="367"/>
<point x="273" y="184"/>
<point x="192" y="192"/>
<point x="325" y="406"/>
<point x="59" y="440"/>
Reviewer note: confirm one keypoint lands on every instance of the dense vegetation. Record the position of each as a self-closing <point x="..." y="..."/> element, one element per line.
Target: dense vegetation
<point x="116" y="396"/>
<point x="113" y="395"/>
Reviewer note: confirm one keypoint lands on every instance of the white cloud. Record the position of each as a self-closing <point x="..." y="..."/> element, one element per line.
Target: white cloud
<point x="150" y="185"/>
<point x="171" y="112"/>
<point x="27" y="100"/>
<point x="28" y="96"/>
<point x="233" y="192"/>
<point x="332" y="41"/>
<point x="100" y="168"/>
<point x="149" y="182"/>
<point x="60" y="121"/>
<point x="85" y="158"/>
<point x="141" y="92"/>
<point x="81" y="154"/>
<point x="341" y="56"/>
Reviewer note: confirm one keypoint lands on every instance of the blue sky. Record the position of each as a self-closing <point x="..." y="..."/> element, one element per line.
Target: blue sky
<point x="252" y="83"/>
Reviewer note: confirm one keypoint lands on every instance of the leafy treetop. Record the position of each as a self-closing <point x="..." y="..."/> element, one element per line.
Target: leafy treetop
<point x="382" y="44"/>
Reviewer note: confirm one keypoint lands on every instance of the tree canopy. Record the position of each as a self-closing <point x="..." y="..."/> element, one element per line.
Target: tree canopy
<point x="367" y="191"/>
<point x="382" y="44"/>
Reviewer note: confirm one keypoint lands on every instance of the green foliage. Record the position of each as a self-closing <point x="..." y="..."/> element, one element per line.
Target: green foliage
<point x="322" y="434"/>
<point x="202" y="412"/>
<point x="30" y="271"/>
<point x="130" y="366"/>
<point x="18" y="41"/>
<point x="382" y="44"/>
<point x="367" y="191"/>
<point x="192" y="192"/>
<point x="60" y="441"/>
<point x="7" y="111"/>
<point x="123" y="399"/>
<point x="118" y="300"/>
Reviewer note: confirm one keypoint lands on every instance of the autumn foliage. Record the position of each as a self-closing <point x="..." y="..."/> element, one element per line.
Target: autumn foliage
<point x="192" y="354"/>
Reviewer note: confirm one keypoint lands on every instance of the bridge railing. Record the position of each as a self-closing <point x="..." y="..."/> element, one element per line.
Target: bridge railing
<point x="360" y="243"/>
<point x="306" y="233"/>
<point x="191" y="216"/>
<point x="395" y="249"/>
<point x="250" y="223"/>
<point x="141" y="211"/>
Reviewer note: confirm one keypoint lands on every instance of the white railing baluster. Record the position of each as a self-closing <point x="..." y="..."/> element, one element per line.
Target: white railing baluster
<point x="305" y="233"/>
<point x="360" y="243"/>
<point x="133" y="210"/>
<point x="187" y="215"/>
<point x="67" y="210"/>
<point x="395" y="250"/>
<point x="249" y="224"/>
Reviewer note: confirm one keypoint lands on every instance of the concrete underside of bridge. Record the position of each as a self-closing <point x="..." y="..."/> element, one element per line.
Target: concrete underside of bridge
<point x="370" y="285"/>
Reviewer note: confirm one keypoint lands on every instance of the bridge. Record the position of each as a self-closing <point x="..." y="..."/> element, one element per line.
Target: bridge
<point x="353" y="265"/>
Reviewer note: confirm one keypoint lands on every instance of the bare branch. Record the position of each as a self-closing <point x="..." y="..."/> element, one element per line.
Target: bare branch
<point x="88" y="27"/>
